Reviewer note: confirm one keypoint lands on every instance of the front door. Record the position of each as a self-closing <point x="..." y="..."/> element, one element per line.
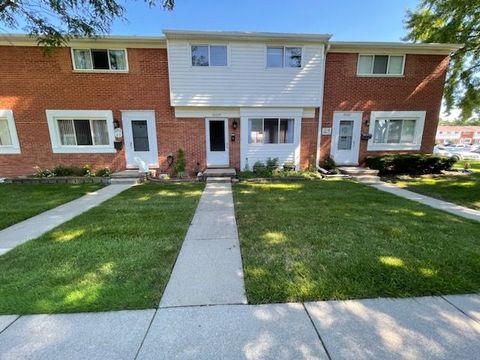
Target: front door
<point x="217" y="142"/>
<point x="140" y="138"/>
<point x="346" y="137"/>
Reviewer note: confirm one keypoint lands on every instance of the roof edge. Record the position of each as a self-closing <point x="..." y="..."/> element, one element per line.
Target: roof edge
<point x="420" y="48"/>
<point x="245" y="35"/>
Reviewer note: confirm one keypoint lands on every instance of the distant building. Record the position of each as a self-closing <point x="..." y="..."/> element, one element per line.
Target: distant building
<point x="458" y="134"/>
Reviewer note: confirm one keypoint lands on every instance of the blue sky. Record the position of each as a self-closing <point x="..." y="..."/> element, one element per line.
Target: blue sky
<point x="374" y="20"/>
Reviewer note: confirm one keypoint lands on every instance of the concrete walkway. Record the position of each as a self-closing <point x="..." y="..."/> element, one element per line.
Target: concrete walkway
<point x="209" y="269"/>
<point x="427" y="200"/>
<point x="35" y="226"/>
<point x="416" y="328"/>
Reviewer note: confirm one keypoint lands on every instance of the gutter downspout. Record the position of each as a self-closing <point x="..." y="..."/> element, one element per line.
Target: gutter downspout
<point x="320" y="110"/>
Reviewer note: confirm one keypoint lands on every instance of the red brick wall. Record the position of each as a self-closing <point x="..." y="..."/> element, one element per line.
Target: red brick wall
<point x="33" y="82"/>
<point x="234" y="149"/>
<point x="308" y="140"/>
<point x="420" y="89"/>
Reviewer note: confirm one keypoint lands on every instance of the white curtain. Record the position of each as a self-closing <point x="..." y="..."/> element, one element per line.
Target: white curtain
<point x="82" y="59"/>
<point x="5" y="138"/>
<point x="100" y="132"/>
<point x="66" y="132"/>
<point x="118" y="60"/>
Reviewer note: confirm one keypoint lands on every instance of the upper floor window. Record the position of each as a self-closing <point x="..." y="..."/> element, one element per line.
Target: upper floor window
<point x="283" y="56"/>
<point x="380" y="64"/>
<point x="8" y="134"/>
<point x="209" y="55"/>
<point x="100" y="59"/>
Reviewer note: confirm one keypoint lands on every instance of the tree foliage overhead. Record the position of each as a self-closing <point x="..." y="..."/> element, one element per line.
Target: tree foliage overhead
<point x="453" y="21"/>
<point x="54" y="22"/>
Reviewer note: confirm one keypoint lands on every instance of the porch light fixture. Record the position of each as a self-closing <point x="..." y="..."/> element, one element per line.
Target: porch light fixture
<point x="234" y="125"/>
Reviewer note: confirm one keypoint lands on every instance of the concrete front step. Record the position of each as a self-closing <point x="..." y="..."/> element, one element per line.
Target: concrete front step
<point x="357" y="171"/>
<point x="220" y="172"/>
<point x="212" y="179"/>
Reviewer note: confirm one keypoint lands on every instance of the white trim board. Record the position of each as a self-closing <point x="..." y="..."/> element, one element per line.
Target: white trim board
<point x="58" y="148"/>
<point x="15" y="147"/>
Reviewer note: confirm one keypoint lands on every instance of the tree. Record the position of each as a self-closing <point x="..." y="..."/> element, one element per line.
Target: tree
<point x="453" y="21"/>
<point x="54" y="22"/>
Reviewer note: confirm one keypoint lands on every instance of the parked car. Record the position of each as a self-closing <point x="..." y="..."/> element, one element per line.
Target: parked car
<point x="457" y="147"/>
<point x="466" y="154"/>
<point x="441" y="150"/>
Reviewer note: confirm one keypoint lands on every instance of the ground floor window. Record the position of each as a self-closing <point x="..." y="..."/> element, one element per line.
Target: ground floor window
<point x="271" y="131"/>
<point x="396" y="130"/>
<point x="8" y="135"/>
<point x="81" y="130"/>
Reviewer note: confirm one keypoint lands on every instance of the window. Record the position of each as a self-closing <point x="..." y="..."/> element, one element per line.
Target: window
<point x="396" y="130"/>
<point x="380" y="64"/>
<point x="100" y="59"/>
<point x="281" y="56"/>
<point x="81" y="131"/>
<point x="209" y="55"/>
<point x="270" y="131"/>
<point x="8" y="134"/>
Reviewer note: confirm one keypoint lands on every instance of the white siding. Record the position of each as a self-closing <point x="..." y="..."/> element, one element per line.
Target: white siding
<point x="245" y="81"/>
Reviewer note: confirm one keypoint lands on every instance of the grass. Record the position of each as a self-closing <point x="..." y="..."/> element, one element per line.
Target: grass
<point x="341" y="240"/>
<point x="462" y="189"/>
<point x="22" y="201"/>
<point x="116" y="256"/>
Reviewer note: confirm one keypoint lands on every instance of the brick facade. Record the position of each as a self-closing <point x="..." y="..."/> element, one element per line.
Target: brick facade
<point x="33" y="82"/>
<point x="421" y="88"/>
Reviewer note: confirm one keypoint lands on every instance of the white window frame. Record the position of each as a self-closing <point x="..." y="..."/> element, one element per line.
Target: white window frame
<point x="278" y="130"/>
<point x="58" y="148"/>
<point x="209" y="61"/>
<point x="15" y="147"/>
<point x="371" y="74"/>
<point x="91" y="60"/>
<point x="283" y="56"/>
<point x="418" y="116"/>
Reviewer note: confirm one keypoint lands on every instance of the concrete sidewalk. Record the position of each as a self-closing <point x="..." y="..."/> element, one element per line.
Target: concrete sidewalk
<point x="416" y="328"/>
<point x="35" y="226"/>
<point x="427" y="200"/>
<point x="209" y="269"/>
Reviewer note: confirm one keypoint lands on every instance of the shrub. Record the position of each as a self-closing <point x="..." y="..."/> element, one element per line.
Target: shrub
<point x="180" y="163"/>
<point x="42" y="173"/>
<point x="63" y="170"/>
<point x="328" y="163"/>
<point x="272" y="164"/>
<point x="259" y="167"/>
<point x="409" y="164"/>
<point x="289" y="166"/>
<point x="105" y="172"/>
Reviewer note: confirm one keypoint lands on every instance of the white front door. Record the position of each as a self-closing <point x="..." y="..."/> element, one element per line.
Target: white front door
<point x="346" y="137"/>
<point x="217" y="142"/>
<point x="140" y="137"/>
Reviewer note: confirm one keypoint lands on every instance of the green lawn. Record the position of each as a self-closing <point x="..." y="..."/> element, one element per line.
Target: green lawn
<point x="22" y="201"/>
<point x="116" y="256"/>
<point x="461" y="189"/>
<point x="341" y="240"/>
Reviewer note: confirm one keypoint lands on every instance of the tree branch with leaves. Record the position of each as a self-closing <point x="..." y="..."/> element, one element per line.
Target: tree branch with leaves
<point x="453" y="21"/>
<point x="54" y="22"/>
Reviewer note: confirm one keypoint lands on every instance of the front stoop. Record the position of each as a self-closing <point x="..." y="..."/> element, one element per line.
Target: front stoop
<point x="127" y="177"/>
<point x="361" y="174"/>
<point x="220" y="173"/>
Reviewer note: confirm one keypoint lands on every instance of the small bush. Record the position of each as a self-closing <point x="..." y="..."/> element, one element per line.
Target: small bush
<point x="409" y="164"/>
<point x="63" y="170"/>
<point x="328" y="163"/>
<point x="105" y="172"/>
<point x="289" y="166"/>
<point x="259" y="167"/>
<point x="180" y="163"/>
<point x="272" y="164"/>
<point x="43" y="173"/>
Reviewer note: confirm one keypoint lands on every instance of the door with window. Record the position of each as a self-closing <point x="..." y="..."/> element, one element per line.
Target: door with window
<point x="140" y="138"/>
<point x="217" y="142"/>
<point x="346" y="138"/>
